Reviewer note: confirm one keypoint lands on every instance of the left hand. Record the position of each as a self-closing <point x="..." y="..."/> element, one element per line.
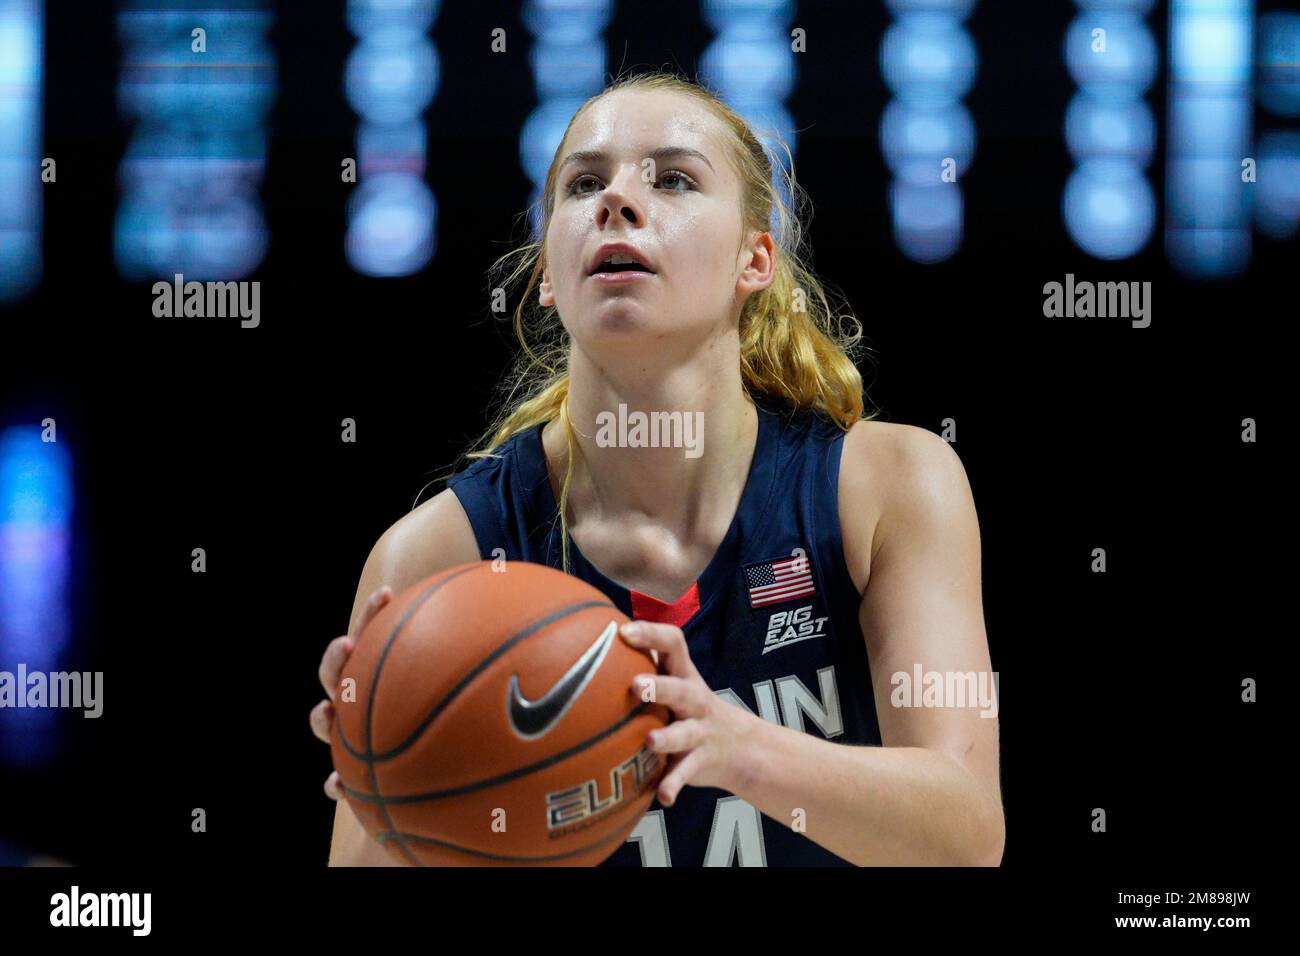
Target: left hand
<point x="708" y="737"/>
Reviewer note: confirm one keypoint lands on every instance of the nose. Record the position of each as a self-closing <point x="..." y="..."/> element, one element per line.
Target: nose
<point x="622" y="197"/>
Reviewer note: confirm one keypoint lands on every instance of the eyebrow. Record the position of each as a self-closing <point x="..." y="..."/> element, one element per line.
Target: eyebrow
<point x="662" y="153"/>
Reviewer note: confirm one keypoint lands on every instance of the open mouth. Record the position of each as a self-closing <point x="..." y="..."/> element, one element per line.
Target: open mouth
<point x="622" y="267"/>
<point x="621" y="262"/>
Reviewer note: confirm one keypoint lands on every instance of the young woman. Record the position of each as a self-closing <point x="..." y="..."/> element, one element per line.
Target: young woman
<point x="784" y="571"/>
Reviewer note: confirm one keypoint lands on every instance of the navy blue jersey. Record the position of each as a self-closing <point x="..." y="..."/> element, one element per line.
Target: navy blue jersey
<point x="771" y="623"/>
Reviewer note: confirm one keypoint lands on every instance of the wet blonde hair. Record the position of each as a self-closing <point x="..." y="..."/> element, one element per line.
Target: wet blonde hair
<point x="794" y="346"/>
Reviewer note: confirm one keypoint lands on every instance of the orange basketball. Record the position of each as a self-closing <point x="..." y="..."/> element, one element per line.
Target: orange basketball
<point x="493" y="722"/>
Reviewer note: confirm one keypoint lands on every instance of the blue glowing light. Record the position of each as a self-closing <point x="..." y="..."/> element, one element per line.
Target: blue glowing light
<point x="1279" y="63"/>
<point x="190" y="179"/>
<point x="1208" y="207"/>
<point x="35" y="558"/>
<point x="1109" y="208"/>
<point x="21" y="76"/>
<point x="928" y="61"/>
<point x="390" y="79"/>
<point x="927" y="220"/>
<point x="391" y="220"/>
<point x="1277" y="193"/>
<point x="916" y="141"/>
<point x="1120" y="130"/>
<point x="1119" y="65"/>
<point x="927" y="136"/>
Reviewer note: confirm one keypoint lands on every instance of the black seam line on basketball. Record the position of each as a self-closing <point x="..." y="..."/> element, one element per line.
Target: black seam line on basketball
<point x="343" y="738"/>
<point x="370" y="705"/>
<point x="468" y="679"/>
<point x="482" y="854"/>
<point x="503" y="778"/>
<point x="366" y="755"/>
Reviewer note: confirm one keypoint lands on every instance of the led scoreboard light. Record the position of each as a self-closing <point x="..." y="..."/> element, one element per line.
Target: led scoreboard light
<point x="1108" y="205"/>
<point x="391" y="78"/>
<point x="927" y="135"/>
<point x="21" y="75"/>
<point x="197" y="85"/>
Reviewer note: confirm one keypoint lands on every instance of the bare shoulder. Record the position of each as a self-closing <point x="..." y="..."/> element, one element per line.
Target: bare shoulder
<point x="431" y="537"/>
<point x="892" y="477"/>
<point x="437" y="527"/>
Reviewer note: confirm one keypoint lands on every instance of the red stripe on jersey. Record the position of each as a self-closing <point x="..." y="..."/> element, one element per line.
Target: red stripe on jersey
<point x="647" y="608"/>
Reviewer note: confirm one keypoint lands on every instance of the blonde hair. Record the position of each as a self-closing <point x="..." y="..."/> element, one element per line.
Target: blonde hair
<point x="794" y="346"/>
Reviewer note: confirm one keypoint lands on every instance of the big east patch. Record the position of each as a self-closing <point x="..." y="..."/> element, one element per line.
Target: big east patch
<point x="789" y="627"/>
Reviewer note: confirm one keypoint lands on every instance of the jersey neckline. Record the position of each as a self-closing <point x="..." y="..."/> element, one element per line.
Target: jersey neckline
<point x="754" y="504"/>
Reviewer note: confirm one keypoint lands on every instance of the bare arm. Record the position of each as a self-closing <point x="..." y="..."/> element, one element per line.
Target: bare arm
<point x="931" y="794"/>
<point x="434" y="536"/>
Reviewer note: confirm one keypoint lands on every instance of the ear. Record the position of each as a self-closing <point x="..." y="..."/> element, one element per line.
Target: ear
<point x="757" y="264"/>
<point x="545" y="294"/>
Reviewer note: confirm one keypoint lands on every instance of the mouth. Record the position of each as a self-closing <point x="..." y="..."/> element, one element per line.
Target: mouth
<point x="620" y="260"/>
<point x="613" y="278"/>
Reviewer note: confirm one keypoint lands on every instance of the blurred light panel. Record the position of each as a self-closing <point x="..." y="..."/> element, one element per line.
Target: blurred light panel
<point x="928" y="59"/>
<point x="915" y="139"/>
<point x="1278" y="85"/>
<point x="1108" y="204"/>
<point x="35" y="560"/>
<point x="1277" y="203"/>
<point x="21" y="76"/>
<point x="1109" y="208"/>
<point x="1277" y="190"/>
<point x="1120" y="131"/>
<point x="193" y="168"/>
<point x="929" y="62"/>
<point x="391" y="78"/>
<point x="1127" y="66"/>
<point x="568" y="63"/>
<point x="752" y="68"/>
<point x="1207" y="222"/>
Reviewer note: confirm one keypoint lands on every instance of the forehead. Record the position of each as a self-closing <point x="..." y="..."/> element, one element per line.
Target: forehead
<point x="633" y="122"/>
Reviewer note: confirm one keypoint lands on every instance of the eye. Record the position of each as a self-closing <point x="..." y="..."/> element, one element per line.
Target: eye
<point x="675" y="175"/>
<point x="680" y="177"/>
<point x="572" y="188"/>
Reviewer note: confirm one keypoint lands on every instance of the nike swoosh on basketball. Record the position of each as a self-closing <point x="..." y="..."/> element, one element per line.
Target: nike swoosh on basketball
<point x="534" y="718"/>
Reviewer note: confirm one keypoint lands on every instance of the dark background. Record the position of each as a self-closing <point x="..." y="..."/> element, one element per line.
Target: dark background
<point x="1119" y="690"/>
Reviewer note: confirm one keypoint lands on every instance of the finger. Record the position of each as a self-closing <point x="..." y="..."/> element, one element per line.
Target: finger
<point x="374" y="604"/>
<point x="667" y="639"/>
<point x="683" y="696"/>
<point x="332" y="661"/>
<point x="322" y="715"/>
<point x="678" y="737"/>
<point x="677" y="776"/>
<point x="334" y="786"/>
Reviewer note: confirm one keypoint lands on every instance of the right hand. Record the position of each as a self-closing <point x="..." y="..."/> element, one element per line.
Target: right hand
<point x="336" y="655"/>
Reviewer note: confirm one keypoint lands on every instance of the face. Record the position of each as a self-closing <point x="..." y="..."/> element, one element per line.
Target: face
<point x="661" y="184"/>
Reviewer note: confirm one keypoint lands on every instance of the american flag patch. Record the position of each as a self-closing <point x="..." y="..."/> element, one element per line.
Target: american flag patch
<point x="781" y="579"/>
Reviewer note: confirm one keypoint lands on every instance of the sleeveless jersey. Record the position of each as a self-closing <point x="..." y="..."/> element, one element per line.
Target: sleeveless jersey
<point x="771" y="623"/>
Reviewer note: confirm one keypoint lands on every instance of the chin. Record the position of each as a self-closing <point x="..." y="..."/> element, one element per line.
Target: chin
<point x="630" y="322"/>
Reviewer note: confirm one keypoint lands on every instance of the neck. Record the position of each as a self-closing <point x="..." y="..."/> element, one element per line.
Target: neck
<point x="697" y="410"/>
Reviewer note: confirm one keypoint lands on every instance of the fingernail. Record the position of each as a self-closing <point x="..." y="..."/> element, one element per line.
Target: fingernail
<point x="632" y="629"/>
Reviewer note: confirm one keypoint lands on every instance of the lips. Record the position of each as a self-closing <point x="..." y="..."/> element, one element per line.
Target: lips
<point x="617" y="248"/>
